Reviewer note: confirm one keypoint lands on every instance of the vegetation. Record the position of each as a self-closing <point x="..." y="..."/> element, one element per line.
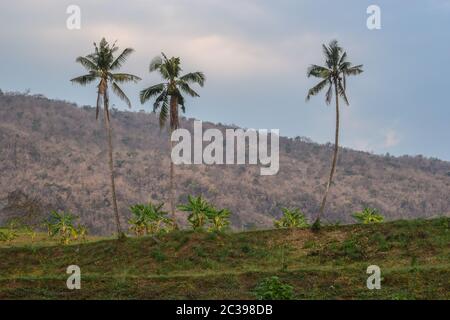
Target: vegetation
<point x="292" y="218"/>
<point x="368" y="215"/>
<point x="219" y="219"/>
<point x="198" y="209"/>
<point x="101" y="66"/>
<point x="413" y="256"/>
<point x="8" y="234"/>
<point x="201" y="213"/>
<point x="149" y="219"/>
<point x="168" y="97"/>
<point x="61" y="225"/>
<point x="273" y="289"/>
<point x="333" y="76"/>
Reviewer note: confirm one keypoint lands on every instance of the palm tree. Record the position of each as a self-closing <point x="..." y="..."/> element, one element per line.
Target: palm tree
<point x="101" y="66"/>
<point x="333" y="75"/>
<point x="169" y="97"/>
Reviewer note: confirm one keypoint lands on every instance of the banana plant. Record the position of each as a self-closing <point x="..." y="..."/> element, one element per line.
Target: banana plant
<point x="219" y="219"/>
<point x="61" y="225"/>
<point x="368" y="216"/>
<point x="8" y="234"/>
<point x="199" y="211"/>
<point x="149" y="219"/>
<point x="292" y="218"/>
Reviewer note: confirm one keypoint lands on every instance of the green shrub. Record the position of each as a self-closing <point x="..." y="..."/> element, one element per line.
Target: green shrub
<point x="202" y="213"/>
<point x="368" y="216"/>
<point x="61" y="225"/>
<point x="8" y="235"/>
<point x="149" y="219"/>
<point x="273" y="289"/>
<point x="198" y="209"/>
<point x="219" y="219"/>
<point x="292" y="218"/>
<point x="351" y="249"/>
<point x="158" y="255"/>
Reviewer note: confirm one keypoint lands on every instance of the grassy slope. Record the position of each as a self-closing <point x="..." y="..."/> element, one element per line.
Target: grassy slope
<point x="414" y="257"/>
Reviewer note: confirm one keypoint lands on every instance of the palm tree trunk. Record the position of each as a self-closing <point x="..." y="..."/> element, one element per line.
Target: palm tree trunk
<point x="335" y="155"/>
<point x="111" y="165"/>
<point x="172" y="195"/>
<point x="173" y="125"/>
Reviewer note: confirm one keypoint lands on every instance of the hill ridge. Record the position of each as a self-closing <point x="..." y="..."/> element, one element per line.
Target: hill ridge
<point x="52" y="153"/>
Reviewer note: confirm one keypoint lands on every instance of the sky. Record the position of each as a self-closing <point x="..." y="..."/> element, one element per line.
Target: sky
<point x="255" y="55"/>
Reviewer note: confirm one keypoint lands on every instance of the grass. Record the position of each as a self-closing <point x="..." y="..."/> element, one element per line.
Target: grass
<point x="414" y="257"/>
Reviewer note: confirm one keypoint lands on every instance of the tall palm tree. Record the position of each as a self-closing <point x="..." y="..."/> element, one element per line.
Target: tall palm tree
<point x="333" y="76"/>
<point x="169" y="98"/>
<point x="101" y="66"/>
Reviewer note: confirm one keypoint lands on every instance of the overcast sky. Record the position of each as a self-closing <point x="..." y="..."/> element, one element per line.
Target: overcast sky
<point x="255" y="55"/>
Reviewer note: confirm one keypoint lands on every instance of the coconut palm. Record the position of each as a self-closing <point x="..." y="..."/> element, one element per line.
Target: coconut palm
<point x="168" y="98"/>
<point x="333" y="76"/>
<point x="102" y="66"/>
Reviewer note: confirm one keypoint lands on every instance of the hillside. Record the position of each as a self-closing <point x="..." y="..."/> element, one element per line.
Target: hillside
<point x="414" y="258"/>
<point x="53" y="156"/>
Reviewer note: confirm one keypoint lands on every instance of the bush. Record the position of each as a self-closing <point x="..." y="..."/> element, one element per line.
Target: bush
<point x="202" y="213"/>
<point x="61" y="225"/>
<point x="219" y="219"/>
<point x="292" y="218"/>
<point x="368" y="216"/>
<point x="273" y="289"/>
<point x="149" y="219"/>
<point x="8" y="235"/>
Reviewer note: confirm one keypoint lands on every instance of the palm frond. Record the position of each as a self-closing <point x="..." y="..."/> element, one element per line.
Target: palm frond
<point x="342" y="92"/>
<point x="155" y="63"/>
<point x="159" y="100"/>
<point x="336" y="51"/>
<point x="121" y="58"/>
<point x="316" y="89"/>
<point x="194" y="77"/>
<point x="124" y="77"/>
<point x="326" y="52"/>
<point x="181" y="102"/>
<point x="187" y="89"/>
<point x="318" y="71"/>
<point x="163" y="114"/>
<point x="87" y="63"/>
<point x="353" y="71"/>
<point x="84" y="79"/>
<point x="146" y="94"/>
<point x="329" y="94"/>
<point x="118" y="91"/>
<point x="343" y="58"/>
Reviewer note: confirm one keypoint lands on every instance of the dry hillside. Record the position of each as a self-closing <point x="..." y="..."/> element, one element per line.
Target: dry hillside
<point x="52" y="156"/>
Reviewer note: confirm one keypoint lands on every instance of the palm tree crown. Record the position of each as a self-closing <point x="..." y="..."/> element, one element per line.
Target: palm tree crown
<point x="172" y="87"/>
<point x="101" y="66"/>
<point x="334" y="73"/>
